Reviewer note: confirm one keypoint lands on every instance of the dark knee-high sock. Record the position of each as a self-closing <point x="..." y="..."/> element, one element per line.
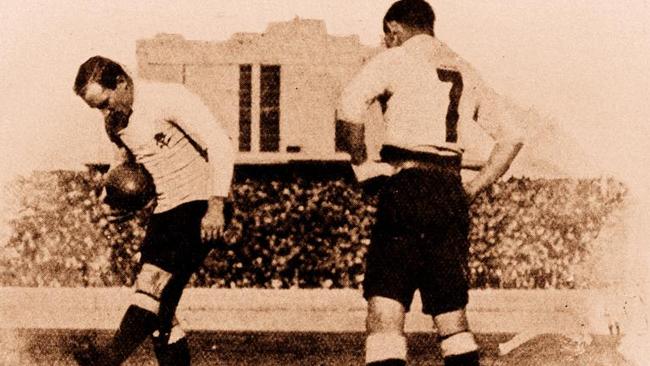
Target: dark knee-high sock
<point x="170" y="344"/>
<point x="174" y="354"/>
<point x="465" y="359"/>
<point x="135" y="326"/>
<point x="169" y="299"/>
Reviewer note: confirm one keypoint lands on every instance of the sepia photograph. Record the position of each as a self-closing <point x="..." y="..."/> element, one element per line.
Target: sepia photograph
<point x="311" y="182"/>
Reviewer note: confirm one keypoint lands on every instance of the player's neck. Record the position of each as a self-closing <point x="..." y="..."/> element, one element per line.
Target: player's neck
<point x="415" y="33"/>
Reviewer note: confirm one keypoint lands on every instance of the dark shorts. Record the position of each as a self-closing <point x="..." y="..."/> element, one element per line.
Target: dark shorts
<point x="173" y="239"/>
<point x="420" y="241"/>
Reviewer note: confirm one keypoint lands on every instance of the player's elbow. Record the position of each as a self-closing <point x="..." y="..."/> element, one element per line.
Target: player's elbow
<point x="513" y="135"/>
<point x="516" y="141"/>
<point x="513" y="144"/>
<point x="522" y="122"/>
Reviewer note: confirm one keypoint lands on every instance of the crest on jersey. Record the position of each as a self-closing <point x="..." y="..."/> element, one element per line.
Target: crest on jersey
<point x="162" y="140"/>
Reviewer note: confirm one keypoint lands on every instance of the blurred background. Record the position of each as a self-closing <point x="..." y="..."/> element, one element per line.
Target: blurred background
<point x="580" y="65"/>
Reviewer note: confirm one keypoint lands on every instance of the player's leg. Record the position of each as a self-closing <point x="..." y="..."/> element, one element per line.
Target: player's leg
<point x="457" y="343"/>
<point x="141" y="318"/>
<point x="187" y="252"/>
<point x="171" y="251"/>
<point x="385" y="343"/>
<point x="444" y="292"/>
<point x="156" y="299"/>
<point x="138" y="322"/>
<point x="443" y="280"/>
<point x="158" y="252"/>
<point x="174" y="350"/>
<point x="169" y="340"/>
<point x="444" y="297"/>
<point x="158" y="293"/>
<point x="388" y="284"/>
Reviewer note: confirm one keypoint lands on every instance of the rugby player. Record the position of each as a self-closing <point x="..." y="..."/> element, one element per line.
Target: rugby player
<point x="188" y="153"/>
<point x="420" y="239"/>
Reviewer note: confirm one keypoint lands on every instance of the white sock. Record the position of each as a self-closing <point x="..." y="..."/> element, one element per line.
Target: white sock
<point x="458" y="344"/>
<point x="384" y="346"/>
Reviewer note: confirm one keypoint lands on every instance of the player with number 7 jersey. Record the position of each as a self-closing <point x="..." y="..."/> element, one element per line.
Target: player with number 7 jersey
<point x="429" y="93"/>
<point x="420" y="238"/>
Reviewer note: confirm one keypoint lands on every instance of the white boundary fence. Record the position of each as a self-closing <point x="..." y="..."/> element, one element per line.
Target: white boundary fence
<point x="489" y="311"/>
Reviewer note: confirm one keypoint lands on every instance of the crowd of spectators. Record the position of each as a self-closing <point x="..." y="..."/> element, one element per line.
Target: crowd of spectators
<point x="526" y="233"/>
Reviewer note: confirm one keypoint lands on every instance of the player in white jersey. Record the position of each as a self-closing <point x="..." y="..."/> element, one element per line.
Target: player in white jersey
<point x="420" y="239"/>
<point x="174" y="135"/>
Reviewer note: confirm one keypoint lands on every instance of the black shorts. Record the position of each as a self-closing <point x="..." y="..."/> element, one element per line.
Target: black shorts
<point x="173" y="239"/>
<point x="420" y="241"/>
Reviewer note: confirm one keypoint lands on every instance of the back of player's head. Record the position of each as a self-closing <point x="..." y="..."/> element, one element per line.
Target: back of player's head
<point x="101" y="70"/>
<point x="416" y="14"/>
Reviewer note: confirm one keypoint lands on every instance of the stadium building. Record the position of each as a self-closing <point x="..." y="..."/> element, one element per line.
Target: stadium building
<point x="276" y="91"/>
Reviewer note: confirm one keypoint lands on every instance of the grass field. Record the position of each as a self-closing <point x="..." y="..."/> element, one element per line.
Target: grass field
<point x="51" y="347"/>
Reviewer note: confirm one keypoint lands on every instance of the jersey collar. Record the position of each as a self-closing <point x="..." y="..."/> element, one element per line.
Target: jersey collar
<point x="422" y="42"/>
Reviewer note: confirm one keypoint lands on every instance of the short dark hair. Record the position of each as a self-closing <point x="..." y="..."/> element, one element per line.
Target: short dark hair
<point x="416" y="14"/>
<point x="98" y="69"/>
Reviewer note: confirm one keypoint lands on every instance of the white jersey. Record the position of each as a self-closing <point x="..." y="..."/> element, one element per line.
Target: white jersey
<point x="428" y="93"/>
<point x="174" y="134"/>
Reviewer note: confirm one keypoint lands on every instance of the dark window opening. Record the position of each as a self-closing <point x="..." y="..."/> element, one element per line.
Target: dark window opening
<point x="270" y="108"/>
<point x="245" y="105"/>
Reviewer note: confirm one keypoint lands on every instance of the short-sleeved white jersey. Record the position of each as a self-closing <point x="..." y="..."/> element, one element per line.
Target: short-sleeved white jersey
<point x="431" y="92"/>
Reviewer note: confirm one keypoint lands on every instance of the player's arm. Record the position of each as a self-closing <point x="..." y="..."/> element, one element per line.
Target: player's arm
<point x="196" y="119"/>
<point x="502" y="155"/>
<point x="504" y="121"/>
<point x="360" y="93"/>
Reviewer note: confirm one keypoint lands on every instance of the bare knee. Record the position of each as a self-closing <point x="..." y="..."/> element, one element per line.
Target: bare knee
<point x="384" y="316"/>
<point x="451" y="322"/>
<point x="149" y="286"/>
